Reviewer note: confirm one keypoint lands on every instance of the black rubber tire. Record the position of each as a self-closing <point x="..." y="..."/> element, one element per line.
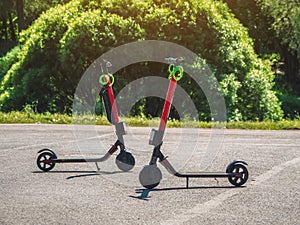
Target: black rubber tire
<point x="150" y="176"/>
<point x="125" y="161"/>
<point x="238" y="181"/>
<point x="45" y="166"/>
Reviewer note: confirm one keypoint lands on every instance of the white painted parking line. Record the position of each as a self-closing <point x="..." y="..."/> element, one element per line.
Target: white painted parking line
<point x="184" y="216"/>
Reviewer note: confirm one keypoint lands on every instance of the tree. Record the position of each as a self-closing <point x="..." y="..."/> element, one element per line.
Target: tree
<point x="8" y="26"/>
<point x="16" y="15"/>
<point x="285" y="17"/>
<point x="278" y="19"/>
<point x="20" y="14"/>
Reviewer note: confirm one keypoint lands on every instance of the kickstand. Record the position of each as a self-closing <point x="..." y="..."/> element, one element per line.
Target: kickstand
<point x="216" y="180"/>
<point x="187" y="182"/>
<point x="97" y="166"/>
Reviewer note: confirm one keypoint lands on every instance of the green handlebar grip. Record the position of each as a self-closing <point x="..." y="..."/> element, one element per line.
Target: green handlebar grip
<point x="107" y="78"/>
<point x="176" y="72"/>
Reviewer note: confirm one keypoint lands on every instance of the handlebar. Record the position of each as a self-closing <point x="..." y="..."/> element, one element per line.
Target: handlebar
<point x="106" y="78"/>
<point x="107" y="63"/>
<point x="175" y="61"/>
<point x="104" y="68"/>
<point x="175" y="69"/>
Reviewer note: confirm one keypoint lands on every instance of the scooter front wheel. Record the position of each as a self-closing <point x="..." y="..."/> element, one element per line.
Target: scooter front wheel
<point x="150" y="176"/>
<point x="44" y="161"/>
<point x="241" y="176"/>
<point x="125" y="161"/>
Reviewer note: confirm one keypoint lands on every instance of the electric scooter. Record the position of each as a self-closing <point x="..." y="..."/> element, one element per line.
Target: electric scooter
<point x="47" y="159"/>
<point x="150" y="176"/>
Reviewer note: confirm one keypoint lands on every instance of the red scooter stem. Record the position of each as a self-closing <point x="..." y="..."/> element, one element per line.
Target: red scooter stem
<point x="113" y="104"/>
<point x="167" y="105"/>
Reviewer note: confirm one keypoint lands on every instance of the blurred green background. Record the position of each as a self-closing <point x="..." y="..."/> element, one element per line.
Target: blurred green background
<point x="252" y="47"/>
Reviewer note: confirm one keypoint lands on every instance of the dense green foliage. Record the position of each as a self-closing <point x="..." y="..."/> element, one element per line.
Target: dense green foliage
<point x="280" y="20"/>
<point x="60" y="44"/>
<point x="285" y="17"/>
<point x="55" y="51"/>
<point x="17" y="15"/>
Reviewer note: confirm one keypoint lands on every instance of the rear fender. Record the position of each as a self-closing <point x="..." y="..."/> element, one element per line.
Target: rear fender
<point x="234" y="163"/>
<point x="47" y="150"/>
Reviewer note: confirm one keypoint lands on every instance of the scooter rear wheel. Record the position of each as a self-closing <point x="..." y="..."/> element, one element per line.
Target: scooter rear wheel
<point x="150" y="176"/>
<point x="125" y="161"/>
<point x="242" y="177"/>
<point x="44" y="161"/>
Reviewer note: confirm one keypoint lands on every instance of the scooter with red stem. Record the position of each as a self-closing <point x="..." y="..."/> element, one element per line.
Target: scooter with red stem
<point x="150" y="176"/>
<point x="47" y="159"/>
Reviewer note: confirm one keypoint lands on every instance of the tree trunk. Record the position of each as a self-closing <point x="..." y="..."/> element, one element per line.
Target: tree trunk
<point x="20" y="14"/>
<point x="4" y="28"/>
<point x="12" y="28"/>
<point x="292" y="66"/>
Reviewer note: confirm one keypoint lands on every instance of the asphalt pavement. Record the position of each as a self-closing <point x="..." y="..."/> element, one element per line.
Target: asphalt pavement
<point x="79" y="194"/>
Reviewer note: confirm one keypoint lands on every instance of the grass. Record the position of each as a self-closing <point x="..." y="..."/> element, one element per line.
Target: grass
<point x="266" y="125"/>
<point x="48" y="118"/>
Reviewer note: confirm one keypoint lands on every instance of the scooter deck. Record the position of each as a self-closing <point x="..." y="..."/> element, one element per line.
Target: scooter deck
<point x="82" y="160"/>
<point x="204" y="174"/>
<point x="76" y="160"/>
<point x="188" y="175"/>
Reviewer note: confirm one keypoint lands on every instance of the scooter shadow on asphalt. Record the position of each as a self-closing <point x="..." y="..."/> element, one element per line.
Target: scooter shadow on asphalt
<point x="84" y="173"/>
<point x="144" y="193"/>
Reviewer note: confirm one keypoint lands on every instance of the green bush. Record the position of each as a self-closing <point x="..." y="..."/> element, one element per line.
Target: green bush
<point x="93" y="33"/>
<point x="290" y="104"/>
<point x="7" y="61"/>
